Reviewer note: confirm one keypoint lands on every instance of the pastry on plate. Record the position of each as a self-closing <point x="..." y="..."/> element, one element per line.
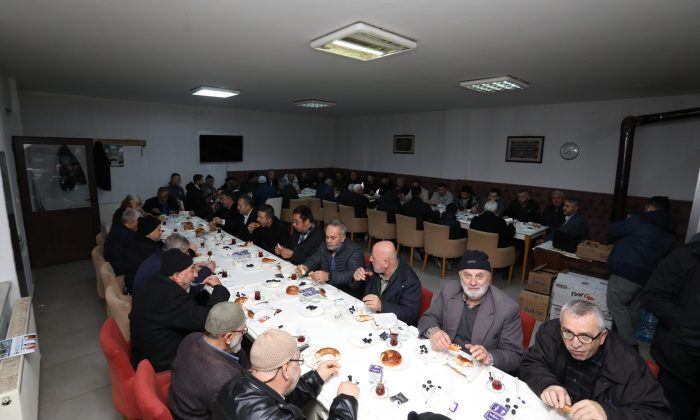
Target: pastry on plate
<point x="292" y="290"/>
<point x="391" y="358"/>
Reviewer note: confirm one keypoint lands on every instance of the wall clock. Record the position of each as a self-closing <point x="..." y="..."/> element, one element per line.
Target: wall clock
<point x="569" y="151"/>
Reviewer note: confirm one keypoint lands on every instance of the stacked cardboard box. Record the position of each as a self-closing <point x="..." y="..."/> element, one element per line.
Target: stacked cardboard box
<point x="593" y="250"/>
<point x="570" y="286"/>
<point x="534" y="300"/>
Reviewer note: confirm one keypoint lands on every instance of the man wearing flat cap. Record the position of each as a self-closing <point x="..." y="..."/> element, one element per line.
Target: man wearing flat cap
<point x="475" y="316"/>
<point x="206" y="361"/>
<point x="274" y="389"/>
<point x="163" y="312"/>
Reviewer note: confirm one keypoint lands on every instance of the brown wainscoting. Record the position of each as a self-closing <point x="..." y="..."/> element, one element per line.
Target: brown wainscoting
<point x="596" y="207"/>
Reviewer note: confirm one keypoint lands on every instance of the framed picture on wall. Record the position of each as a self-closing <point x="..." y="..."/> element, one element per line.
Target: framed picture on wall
<point x="404" y="143"/>
<point x="524" y="149"/>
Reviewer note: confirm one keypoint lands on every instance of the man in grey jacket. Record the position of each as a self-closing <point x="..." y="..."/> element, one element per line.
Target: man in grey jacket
<point x="472" y="314"/>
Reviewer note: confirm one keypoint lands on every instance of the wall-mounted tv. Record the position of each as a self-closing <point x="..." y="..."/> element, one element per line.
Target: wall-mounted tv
<point x="220" y="148"/>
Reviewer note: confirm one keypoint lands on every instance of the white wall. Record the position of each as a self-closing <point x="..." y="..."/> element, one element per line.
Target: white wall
<point x="470" y="144"/>
<point x="270" y="140"/>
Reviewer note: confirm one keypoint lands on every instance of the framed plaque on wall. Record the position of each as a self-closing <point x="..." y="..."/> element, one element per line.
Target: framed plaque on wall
<point x="524" y="149"/>
<point x="404" y="143"/>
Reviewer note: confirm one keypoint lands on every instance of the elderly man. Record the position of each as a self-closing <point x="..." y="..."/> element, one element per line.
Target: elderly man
<point x="268" y="231"/>
<point x="574" y="224"/>
<point x="553" y="215"/>
<point x="162" y="203"/>
<point x="475" y="316"/>
<point x="263" y="191"/>
<point x="163" y="312"/>
<point x="129" y="202"/>
<point x="489" y="222"/>
<point x="578" y="365"/>
<point x="146" y="241"/>
<point x="275" y="389"/>
<point x="334" y="262"/>
<point x="357" y="200"/>
<point x="119" y="238"/>
<point x="236" y="223"/>
<point x="305" y="240"/>
<point x="205" y="362"/>
<point x="442" y="197"/>
<point x="524" y="209"/>
<point x="393" y="286"/>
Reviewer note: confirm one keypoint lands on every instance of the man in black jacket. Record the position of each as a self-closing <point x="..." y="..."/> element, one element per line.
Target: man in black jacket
<point x="489" y="222"/>
<point x="415" y="207"/>
<point x="119" y="239"/>
<point x="163" y="311"/>
<point x="237" y="224"/>
<point x="146" y="241"/>
<point x="524" y="209"/>
<point x="357" y="201"/>
<point x="672" y="294"/>
<point x="576" y="362"/>
<point x="390" y="202"/>
<point x="268" y="231"/>
<point x="305" y="240"/>
<point x="194" y="200"/>
<point x="275" y="389"/>
<point x="161" y="204"/>
<point x="553" y="215"/>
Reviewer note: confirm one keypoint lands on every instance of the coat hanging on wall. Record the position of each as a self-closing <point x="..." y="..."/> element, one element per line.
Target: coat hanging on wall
<point x="103" y="177"/>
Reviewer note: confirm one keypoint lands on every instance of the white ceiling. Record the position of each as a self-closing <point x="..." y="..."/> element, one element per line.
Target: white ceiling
<point x="157" y="50"/>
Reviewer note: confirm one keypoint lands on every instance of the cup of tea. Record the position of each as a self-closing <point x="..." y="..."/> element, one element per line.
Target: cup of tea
<point x="301" y="335"/>
<point x="260" y="254"/>
<point x="368" y="274"/>
<point x="257" y="295"/>
<point x="394" y="338"/>
<point x="380" y="387"/>
<point x="294" y="276"/>
<point x="496" y="380"/>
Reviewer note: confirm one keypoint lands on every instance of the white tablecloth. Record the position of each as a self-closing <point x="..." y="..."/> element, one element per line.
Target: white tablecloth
<point x="473" y="398"/>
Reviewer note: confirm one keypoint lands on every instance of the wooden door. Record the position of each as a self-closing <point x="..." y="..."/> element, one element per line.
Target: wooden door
<point x="59" y="198"/>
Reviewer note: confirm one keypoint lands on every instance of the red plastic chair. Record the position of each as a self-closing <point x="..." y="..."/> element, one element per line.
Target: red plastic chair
<point x="150" y="397"/>
<point x="654" y="368"/>
<point x="117" y="351"/>
<point x="528" y="323"/>
<point x="426" y="298"/>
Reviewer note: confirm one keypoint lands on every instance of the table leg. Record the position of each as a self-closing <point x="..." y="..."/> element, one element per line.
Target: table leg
<point x="526" y="253"/>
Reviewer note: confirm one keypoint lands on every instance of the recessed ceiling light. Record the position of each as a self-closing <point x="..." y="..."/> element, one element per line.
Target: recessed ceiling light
<point x="314" y="103"/>
<point x="362" y="42"/>
<point x="495" y="84"/>
<point x="214" y="92"/>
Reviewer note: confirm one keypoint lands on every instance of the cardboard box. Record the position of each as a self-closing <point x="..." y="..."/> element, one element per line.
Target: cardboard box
<point x="570" y="286"/>
<point x="534" y="304"/>
<point x="555" y="311"/>
<point x="593" y="250"/>
<point x="540" y="280"/>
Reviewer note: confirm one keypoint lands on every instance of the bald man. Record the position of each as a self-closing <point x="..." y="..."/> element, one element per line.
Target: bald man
<point x="393" y="286"/>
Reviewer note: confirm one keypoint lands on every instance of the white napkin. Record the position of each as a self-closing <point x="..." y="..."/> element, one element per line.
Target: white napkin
<point x="387" y="320"/>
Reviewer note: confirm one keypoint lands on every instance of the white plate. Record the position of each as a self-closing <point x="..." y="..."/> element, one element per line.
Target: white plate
<point x="445" y="385"/>
<point x="301" y="309"/>
<point x="405" y="361"/>
<point x="282" y="294"/>
<point x="439" y="357"/>
<point x="356" y="339"/>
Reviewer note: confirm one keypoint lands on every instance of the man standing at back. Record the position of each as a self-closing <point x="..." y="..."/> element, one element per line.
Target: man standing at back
<point x="175" y="191"/>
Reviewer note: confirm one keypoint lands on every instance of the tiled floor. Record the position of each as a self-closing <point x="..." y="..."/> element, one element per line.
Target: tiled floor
<point x="75" y="381"/>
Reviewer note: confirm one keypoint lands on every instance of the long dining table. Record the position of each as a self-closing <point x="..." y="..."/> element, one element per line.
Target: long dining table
<point x="525" y="232"/>
<point x="427" y="380"/>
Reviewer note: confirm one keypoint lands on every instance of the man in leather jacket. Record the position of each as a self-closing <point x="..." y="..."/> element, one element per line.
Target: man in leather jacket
<point x="274" y="389"/>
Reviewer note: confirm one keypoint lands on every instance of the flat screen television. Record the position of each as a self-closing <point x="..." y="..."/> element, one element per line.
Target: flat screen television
<point x="220" y="148"/>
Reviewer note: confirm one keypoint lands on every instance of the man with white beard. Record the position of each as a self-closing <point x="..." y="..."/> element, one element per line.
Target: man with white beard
<point x="471" y="314"/>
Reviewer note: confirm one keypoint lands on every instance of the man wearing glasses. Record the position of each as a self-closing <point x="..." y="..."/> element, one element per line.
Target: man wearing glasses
<point x="206" y="361"/>
<point x="275" y="388"/>
<point x="578" y="366"/>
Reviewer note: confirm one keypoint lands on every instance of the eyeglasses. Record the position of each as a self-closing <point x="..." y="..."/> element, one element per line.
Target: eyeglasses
<point x="583" y="338"/>
<point x="244" y="331"/>
<point x="300" y="360"/>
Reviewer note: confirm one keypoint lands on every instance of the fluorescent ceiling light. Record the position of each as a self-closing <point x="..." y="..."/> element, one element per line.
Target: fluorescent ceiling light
<point x="362" y="42"/>
<point x="214" y="92"/>
<point x="314" y="103"/>
<point x="495" y="84"/>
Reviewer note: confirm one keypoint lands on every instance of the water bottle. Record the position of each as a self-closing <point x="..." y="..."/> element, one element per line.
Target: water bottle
<point x="647" y="326"/>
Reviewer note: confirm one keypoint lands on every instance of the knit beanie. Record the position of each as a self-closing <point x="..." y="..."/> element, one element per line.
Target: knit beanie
<point x="147" y="224"/>
<point x="474" y="260"/>
<point x="174" y="261"/>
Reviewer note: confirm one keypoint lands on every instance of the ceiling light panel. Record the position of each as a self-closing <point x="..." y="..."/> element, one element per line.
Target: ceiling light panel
<point x="314" y="103"/>
<point x="362" y="42"/>
<point x="495" y="84"/>
<point x="214" y="92"/>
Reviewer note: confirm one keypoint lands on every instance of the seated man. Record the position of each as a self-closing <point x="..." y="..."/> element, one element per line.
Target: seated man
<point x="263" y="191"/>
<point x="357" y="201"/>
<point x="449" y="218"/>
<point x="576" y="362"/>
<point x="424" y="195"/>
<point x="305" y="240"/>
<point x="553" y="214"/>
<point x="205" y="362"/>
<point x="236" y="222"/>
<point x="442" y="196"/>
<point x="495" y="195"/>
<point x="194" y="199"/>
<point x="489" y="222"/>
<point x="335" y="261"/>
<point x="268" y="231"/>
<point x="146" y="241"/>
<point x="393" y="287"/>
<point x="475" y="316"/>
<point x="163" y="312"/>
<point x="415" y="207"/>
<point x="574" y="222"/>
<point x="161" y="204"/>
<point x="467" y="200"/>
<point x="119" y="238"/>
<point x="324" y="191"/>
<point x="130" y="201"/>
<point x="290" y="179"/>
<point x="390" y="202"/>
<point x="524" y="209"/>
<point x="371" y="184"/>
<point x="274" y="388"/>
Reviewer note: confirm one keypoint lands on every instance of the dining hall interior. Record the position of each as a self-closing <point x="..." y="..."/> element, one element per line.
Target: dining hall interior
<point x="599" y="100"/>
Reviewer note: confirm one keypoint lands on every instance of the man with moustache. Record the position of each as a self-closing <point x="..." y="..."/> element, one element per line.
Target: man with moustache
<point x="475" y="316"/>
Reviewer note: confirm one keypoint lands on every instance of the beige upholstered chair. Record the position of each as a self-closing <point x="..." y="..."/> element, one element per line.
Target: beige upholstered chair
<point x="315" y="206"/>
<point x="330" y="211"/>
<point x="408" y="235"/>
<point x="119" y="308"/>
<point x="488" y="243"/>
<point x="100" y="239"/>
<point x="378" y="227"/>
<point x="108" y="276"/>
<point x="438" y="244"/>
<point x="97" y="260"/>
<point x="353" y="224"/>
<point x="286" y="214"/>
